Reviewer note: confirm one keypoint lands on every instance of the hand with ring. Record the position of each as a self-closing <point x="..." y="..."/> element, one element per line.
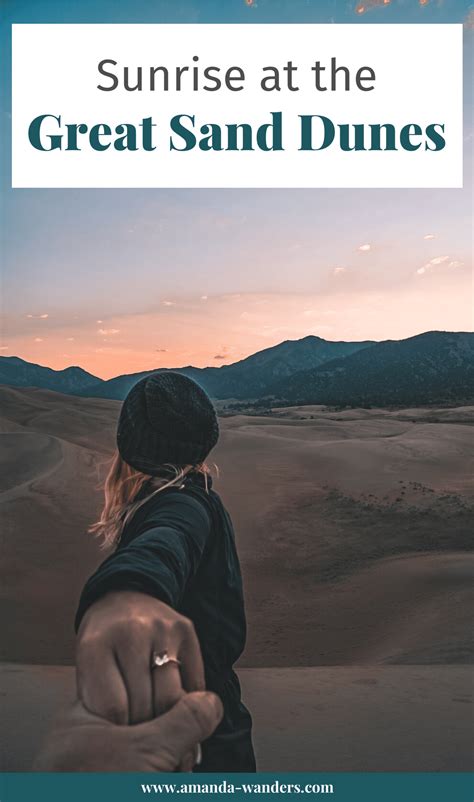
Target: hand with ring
<point x="136" y="658"/>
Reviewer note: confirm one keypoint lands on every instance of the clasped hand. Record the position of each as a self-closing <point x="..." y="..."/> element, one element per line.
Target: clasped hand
<point x="116" y="641"/>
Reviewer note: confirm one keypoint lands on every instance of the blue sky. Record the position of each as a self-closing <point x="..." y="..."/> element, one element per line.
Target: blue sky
<point x="127" y="279"/>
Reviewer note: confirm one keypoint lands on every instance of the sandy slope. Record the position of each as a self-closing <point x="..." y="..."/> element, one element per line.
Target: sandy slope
<point x="352" y="527"/>
<point x="396" y="718"/>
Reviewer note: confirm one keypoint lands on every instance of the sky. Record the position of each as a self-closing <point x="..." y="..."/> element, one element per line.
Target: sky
<point x="119" y="281"/>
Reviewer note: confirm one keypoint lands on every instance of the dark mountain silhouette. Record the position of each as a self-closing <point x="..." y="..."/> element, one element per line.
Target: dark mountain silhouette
<point x="249" y="378"/>
<point x="19" y="373"/>
<point x="432" y="368"/>
<point x="118" y="387"/>
<point x="436" y="367"/>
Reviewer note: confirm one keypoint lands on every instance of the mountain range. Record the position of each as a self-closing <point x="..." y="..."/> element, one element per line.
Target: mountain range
<point x="17" y="372"/>
<point x="434" y="367"/>
<point x="252" y="377"/>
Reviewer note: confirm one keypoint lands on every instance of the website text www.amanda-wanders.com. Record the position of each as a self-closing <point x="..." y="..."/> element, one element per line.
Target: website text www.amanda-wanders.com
<point x="227" y="787"/>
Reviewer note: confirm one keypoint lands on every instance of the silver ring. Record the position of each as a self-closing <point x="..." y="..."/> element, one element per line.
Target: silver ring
<point x="161" y="659"/>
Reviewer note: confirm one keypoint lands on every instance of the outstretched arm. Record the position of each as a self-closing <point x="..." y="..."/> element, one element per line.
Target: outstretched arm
<point x="127" y="613"/>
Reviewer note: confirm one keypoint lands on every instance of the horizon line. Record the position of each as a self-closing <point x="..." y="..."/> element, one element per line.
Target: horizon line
<point x="230" y="364"/>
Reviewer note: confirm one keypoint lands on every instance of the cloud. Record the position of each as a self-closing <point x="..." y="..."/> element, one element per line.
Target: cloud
<point x="38" y="339"/>
<point x="99" y="321"/>
<point x="107" y="332"/>
<point x="339" y="271"/>
<point x="161" y="350"/>
<point x="38" y="317"/>
<point x="4" y="347"/>
<point x="364" y="248"/>
<point x="223" y="354"/>
<point x="438" y="263"/>
<point x="70" y="339"/>
<point x="429" y="236"/>
<point x="168" y="303"/>
<point x="204" y="297"/>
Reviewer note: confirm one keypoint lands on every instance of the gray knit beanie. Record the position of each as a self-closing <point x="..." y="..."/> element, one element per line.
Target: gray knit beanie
<point x="166" y="418"/>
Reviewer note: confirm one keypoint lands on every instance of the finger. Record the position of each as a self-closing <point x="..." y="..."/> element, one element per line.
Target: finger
<point x="192" y="667"/>
<point x="100" y="686"/>
<point x="188" y="762"/>
<point x="167" y="687"/>
<point x="192" y="759"/>
<point x="134" y="667"/>
<point x="193" y="719"/>
<point x="76" y="713"/>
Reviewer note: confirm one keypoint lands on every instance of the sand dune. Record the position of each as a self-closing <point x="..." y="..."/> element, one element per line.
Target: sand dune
<point x="413" y="610"/>
<point x="50" y="499"/>
<point x="26" y="456"/>
<point x="353" y="528"/>
<point x="88" y="422"/>
<point x="395" y="718"/>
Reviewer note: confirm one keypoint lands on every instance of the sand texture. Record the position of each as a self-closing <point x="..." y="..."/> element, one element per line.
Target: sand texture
<point x="354" y="528"/>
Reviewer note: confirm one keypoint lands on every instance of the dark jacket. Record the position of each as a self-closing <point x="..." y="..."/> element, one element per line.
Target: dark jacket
<point x="179" y="547"/>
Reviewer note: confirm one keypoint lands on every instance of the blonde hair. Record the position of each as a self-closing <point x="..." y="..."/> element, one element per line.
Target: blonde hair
<point x="123" y="489"/>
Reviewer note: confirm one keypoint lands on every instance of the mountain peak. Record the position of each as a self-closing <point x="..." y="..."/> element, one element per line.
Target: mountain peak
<point x="19" y="373"/>
<point x="430" y="368"/>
